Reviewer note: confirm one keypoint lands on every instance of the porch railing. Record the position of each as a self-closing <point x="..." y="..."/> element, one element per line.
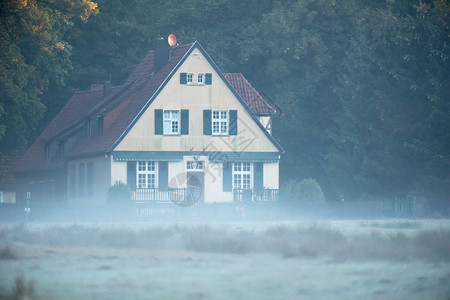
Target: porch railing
<point x="255" y="195"/>
<point x="157" y="195"/>
<point x="181" y="195"/>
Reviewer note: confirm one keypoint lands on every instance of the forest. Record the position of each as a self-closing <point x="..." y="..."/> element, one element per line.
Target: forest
<point x="361" y="87"/>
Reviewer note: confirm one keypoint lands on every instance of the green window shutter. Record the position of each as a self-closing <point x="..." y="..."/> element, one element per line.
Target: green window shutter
<point x="185" y="121"/>
<point x="208" y="78"/>
<point x="158" y="121"/>
<point x="227" y="177"/>
<point x="183" y="78"/>
<point x="131" y="174"/>
<point x="258" y="183"/>
<point x="207" y="122"/>
<point x="233" y="122"/>
<point x="163" y="175"/>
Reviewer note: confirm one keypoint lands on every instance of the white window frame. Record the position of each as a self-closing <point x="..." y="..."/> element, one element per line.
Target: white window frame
<point x="201" y="78"/>
<point x="220" y="122"/>
<point x="190" y="78"/>
<point x="171" y="120"/>
<point x="146" y="171"/>
<point x="195" y="165"/>
<point x="242" y="171"/>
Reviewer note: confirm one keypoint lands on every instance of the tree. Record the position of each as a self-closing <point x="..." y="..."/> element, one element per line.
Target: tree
<point x="33" y="54"/>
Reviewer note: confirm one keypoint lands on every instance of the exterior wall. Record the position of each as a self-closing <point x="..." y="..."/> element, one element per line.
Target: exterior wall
<point x="214" y="184"/>
<point x="118" y="171"/>
<point x="177" y="174"/>
<point x="196" y="98"/>
<point x="42" y="187"/>
<point x="271" y="175"/>
<point x="7" y="196"/>
<point x="101" y="181"/>
<point x="212" y="180"/>
<point x="213" y="191"/>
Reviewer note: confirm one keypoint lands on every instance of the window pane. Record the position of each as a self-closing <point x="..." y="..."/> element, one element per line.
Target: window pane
<point x="167" y="126"/>
<point x="73" y="181"/>
<point x="237" y="181"/>
<point x="90" y="178"/>
<point x="175" y="127"/>
<point x="151" y="166"/>
<point x="215" y="127"/>
<point x="151" y="181"/>
<point x="223" y="127"/>
<point x="81" y="180"/>
<point x="246" y="181"/>
<point x="215" y="114"/>
<point x="141" y="181"/>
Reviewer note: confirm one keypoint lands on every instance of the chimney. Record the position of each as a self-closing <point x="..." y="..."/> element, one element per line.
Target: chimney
<point x="161" y="54"/>
<point x="107" y="88"/>
<point x="96" y="87"/>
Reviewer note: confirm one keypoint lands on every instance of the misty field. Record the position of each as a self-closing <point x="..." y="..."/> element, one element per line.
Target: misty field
<point x="380" y="259"/>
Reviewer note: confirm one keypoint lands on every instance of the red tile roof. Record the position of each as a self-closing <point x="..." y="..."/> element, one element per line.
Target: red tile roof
<point x="119" y="109"/>
<point x="251" y="97"/>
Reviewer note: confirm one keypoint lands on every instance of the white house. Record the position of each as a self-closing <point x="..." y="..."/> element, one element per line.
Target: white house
<point x="177" y="130"/>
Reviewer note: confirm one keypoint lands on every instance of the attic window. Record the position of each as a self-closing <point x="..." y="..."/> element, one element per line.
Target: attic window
<point x="201" y="78"/>
<point x="190" y="78"/>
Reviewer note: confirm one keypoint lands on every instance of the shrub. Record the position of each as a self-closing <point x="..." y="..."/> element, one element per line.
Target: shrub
<point x="305" y="190"/>
<point x="7" y="252"/>
<point x="119" y="193"/>
<point x="22" y="290"/>
<point x="310" y="190"/>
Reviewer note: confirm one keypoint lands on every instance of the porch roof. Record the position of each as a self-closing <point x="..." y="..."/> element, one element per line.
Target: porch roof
<point x="214" y="156"/>
<point x="147" y="156"/>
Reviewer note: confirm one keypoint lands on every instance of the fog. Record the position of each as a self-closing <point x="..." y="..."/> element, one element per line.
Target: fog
<point x="325" y="151"/>
<point x="232" y="255"/>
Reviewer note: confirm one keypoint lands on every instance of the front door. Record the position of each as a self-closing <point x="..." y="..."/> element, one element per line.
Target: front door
<point x="195" y="187"/>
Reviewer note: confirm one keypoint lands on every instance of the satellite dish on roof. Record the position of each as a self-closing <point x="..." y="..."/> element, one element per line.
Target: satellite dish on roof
<point x="172" y="40"/>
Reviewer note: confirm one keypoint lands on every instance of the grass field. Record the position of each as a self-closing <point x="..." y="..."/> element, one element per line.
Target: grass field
<point x="382" y="259"/>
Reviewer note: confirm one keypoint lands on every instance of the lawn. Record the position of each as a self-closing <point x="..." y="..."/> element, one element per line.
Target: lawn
<point x="380" y="259"/>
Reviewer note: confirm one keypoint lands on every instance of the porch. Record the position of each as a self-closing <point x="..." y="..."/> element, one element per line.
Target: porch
<point x="255" y="195"/>
<point x="155" y="195"/>
<point x="192" y="195"/>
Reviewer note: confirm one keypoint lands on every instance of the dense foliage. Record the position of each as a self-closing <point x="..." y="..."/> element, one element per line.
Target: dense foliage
<point x="119" y="193"/>
<point x="33" y="55"/>
<point x="362" y="87"/>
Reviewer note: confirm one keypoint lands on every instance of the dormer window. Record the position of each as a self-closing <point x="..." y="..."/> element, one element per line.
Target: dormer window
<point x="201" y="78"/>
<point x="190" y="78"/>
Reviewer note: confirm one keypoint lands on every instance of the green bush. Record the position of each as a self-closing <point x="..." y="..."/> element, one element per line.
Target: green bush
<point x="119" y="193"/>
<point x="305" y="190"/>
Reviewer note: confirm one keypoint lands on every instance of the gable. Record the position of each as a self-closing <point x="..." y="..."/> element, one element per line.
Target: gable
<point x="220" y="95"/>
